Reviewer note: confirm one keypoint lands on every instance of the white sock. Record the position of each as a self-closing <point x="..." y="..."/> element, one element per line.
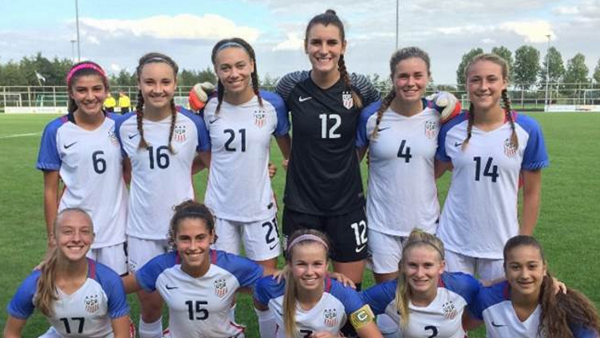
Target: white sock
<point x="266" y="323"/>
<point x="150" y="330"/>
<point x="232" y="312"/>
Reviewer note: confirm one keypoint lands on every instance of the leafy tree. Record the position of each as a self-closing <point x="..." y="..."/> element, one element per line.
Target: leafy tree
<point x="556" y="67"/>
<point x="597" y="72"/>
<point x="207" y="75"/>
<point x="466" y="58"/>
<point x="268" y="82"/>
<point x="527" y="66"/>
<point x="506" y="54"/>
<point x="11" y="75"/>
<point x="577" y="74"/>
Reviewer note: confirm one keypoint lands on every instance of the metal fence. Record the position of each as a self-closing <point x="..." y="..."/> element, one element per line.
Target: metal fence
<point x="522" y="99"/>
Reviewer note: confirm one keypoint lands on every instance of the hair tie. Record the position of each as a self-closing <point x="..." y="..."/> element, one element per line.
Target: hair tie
<point x="307" y="237"/>
<point x="86" y="65"/>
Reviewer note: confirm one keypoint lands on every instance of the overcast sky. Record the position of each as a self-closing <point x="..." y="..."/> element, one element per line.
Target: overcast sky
<point x="116" y="33"/>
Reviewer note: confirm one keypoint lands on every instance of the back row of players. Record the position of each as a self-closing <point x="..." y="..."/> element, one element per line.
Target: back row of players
<point x="489" y="149"/>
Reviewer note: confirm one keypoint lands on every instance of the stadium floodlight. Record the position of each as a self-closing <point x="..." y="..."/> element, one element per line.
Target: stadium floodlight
<point x="77" y="28"/>
<point x="397" y="21"/>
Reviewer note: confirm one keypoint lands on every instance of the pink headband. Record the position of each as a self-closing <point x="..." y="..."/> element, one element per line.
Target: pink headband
<point x="307" y="237"/>
<point x="84" y="66"/>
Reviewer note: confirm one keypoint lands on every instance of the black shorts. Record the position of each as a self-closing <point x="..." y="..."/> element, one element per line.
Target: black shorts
<point x="347" y="233"/>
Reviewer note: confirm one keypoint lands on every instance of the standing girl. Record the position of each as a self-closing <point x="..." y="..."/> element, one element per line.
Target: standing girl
<point x="309" y="303"/>
<point x="401" y="135"/>
<point x="240" y="122"/>
<point x="488" y="149"/>
<point x="82" y="150"/>
<point x="161" y="144"/>
<point x="323" y="185"/>
<point x="80" y="298"/>
<point x="526" y="304"/>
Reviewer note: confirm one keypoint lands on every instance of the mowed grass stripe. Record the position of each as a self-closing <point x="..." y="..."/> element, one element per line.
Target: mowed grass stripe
<point x="568" y="226"/>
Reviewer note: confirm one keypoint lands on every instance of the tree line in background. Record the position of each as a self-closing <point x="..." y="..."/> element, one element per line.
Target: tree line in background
<point x="528" y="70"/>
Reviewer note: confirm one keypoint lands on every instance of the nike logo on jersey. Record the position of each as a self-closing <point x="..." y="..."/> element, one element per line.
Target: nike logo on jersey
<point x="213" y="121"/>
<point x="497" y="325"/>
<point x="382" y="129"/>
<point x="273" y="246"/>
<point x="171" y="287"/>
<point x="456" y="144"/>
<point x="359" y="249"/>
<point x="270" y="205"/>
<point x="67" y="146"/>
<point x="302" y="99"/>
<point x="132" y="135"/>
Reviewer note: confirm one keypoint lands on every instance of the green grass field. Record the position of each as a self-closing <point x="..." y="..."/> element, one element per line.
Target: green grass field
<point x="569" y="223"/>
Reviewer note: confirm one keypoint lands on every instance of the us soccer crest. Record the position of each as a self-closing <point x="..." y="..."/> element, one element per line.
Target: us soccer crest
<point x="509" y="148"/>
<point x="92" y="304"/>
<point x="347" y="100"/>
<point x="260" y="117"/>
<point x="112" y="138"/>
<point x="330" y="317"/>
<point x="179" y="134"/>
<point x="449" y="310"/>
<point x="220" y="287"/>
<point x="430" y="129"/>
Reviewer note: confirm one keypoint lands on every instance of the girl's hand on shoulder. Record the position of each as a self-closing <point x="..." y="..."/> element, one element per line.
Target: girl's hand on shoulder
<point x="340" y="277"/>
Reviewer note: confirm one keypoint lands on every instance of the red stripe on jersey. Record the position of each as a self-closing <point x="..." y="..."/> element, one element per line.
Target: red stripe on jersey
<point x="177" y="258"/>
<point x="441" y="283"/>
<point x="91" y="268"/>
<point x="240" y="327"/>
<point x="213" y="257"/>
<point x="327" y="284"/>
<point x="506" y="291"/>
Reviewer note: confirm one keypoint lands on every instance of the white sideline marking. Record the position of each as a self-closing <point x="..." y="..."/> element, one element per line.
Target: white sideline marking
<point x="20" y="135"/>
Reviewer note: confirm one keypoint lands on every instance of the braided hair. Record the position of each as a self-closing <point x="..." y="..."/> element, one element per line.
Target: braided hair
<point x="399" y="56"/>
<point x="331" y="18"/>
<point x="235" y="43"/>
<point x="509" y="116"/>
<point x="144" y="60"/>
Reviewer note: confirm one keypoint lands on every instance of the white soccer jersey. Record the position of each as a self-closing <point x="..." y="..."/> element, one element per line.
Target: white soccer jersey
<point x="199" y="307"/>
<point x="480" y="212"/>
<point x="493" y="306"/>
<point x="239" y="188"/>
<point x="85" y="313"/>
<point x="160" y="180"/>
<point x="401" y="194"/>
<point x="91" y="166"/>
<point x="328" y="315"/>
<point x="442" y="318"/>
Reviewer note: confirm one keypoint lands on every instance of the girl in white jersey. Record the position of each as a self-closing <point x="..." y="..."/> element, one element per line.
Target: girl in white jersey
<point x="80" y="298"/>
<point x="488" y="149"/>
<point x="309" y="303"/>
<point x="197" y="283"/>
<point x="425" y="301"/>
<point x="81" y="149"/>
<point x="160" y="143"/>
<point x="400" y="133"/>
<point x="240" y="122"/>
<point x="526" y="304"/>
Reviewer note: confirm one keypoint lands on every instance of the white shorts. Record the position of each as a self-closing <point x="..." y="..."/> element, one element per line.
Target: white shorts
<point x="486" y="269"/>
<point x="51" y="333"/>
<point x="114" y="256"/>
<point x="385" y="250"/>
<point x="143" y="250"/>
<point x="261" y="239"/>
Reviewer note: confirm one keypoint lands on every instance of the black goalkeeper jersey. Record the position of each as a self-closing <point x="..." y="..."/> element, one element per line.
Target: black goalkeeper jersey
<point x="323" y="176"/>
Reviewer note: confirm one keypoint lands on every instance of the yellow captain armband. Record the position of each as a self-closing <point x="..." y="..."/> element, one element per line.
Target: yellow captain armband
<point x="361" y="317"/>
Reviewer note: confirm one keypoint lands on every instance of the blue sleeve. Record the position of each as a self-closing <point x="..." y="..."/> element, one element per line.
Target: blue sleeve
<point x="267" y="288"/>
<point x="113" y="287"/>
<point x="21" y="306"/>
<point x="486" y="297"/>
<point x="48" y="157"/>
<point x="580" y="331"/>
<point x="380" y="296"/>
<point x="362" y="139"/>
<point x="246" y="271"/>
<point x="203" y="137"/>
<point x="535" y="156"/>
<point x="441" y="149"/>
<point x="347" y="296"/>
<point x="118" y="124"/>
<point x="148" y="274"/>
<point x="464" y="284"/>
<point x="283" y="121"/>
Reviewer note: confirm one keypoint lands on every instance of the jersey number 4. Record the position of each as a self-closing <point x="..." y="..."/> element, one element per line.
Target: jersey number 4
<point x="196" y="311"/>
<point x="404" y="152"/>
